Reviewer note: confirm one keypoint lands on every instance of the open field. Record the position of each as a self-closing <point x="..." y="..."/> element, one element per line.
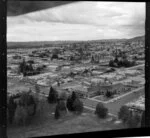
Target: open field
<point x="45" y="124"/>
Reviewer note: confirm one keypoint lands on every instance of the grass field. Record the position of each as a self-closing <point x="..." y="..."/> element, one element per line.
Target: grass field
<point x="45" y="124"/>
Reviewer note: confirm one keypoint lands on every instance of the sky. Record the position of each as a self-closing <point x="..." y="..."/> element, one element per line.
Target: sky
<point x="79" y="21"/>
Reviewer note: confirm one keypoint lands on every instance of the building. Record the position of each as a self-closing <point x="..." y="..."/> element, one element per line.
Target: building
<point x="102" y="89"/>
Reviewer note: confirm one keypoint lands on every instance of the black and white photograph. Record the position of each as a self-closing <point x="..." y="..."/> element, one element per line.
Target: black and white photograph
<point x="74" y="67"/>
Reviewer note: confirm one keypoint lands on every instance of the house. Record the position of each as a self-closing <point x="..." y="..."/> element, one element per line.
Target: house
<point x="114" y="88"/>
<point x="101" y="89"/>
<point x="137" y="105"/>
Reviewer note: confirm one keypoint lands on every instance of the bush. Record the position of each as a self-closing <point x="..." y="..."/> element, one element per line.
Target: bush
<point x="27" y="100"/>
<point x="20" y="107"/>
<point x="109" y="94"/>
<point x="25" y="68"/>
<point x="101" y="111"/>
<point x="133" y="121"/>
<point x="78" y="106"/>
<point x="53" y="96"/>
<point x="54" y="56"/>
<point x="61" y="109"/>
<point x="21" y="115"/>
<point x="11" y="109"/>
<point x="124" y="114"/>
<point x="41" y="103"/>
<point x="111" y="63"/>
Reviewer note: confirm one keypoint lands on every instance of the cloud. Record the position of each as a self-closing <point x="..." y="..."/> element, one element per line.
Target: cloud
<point x="80" y="21"/>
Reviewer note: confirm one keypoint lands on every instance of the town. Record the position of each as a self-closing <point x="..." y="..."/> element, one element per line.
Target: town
<point x="105" y="76"/>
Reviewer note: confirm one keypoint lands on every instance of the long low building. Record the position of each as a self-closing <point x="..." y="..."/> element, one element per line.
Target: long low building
<point x="137" y="105"/>
<point x="103" y="88"/>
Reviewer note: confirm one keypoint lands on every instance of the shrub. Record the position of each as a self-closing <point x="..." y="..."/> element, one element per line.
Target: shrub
<point x="21" y="115"/>
<point x="111" y="63"/>
<point x="109" y="94"/>
<point x="53" y="95"/>
<point x="124" y="113"/>
<point x="133" y="120"/>
<point x="27" y="100"/>
<point x="11" y="109"/>
<point x="25" y="107"/>
<point x="101" y="111"/>
<point x="60" y="109"/>
<point x="54" y="56"/>
<point x="41" y="103"/>
<point x="78" y="106"/>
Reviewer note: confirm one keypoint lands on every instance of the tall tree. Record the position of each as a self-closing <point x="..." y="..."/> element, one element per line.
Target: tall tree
<point x="53" y="96"/>
<point x="70" y="101"/>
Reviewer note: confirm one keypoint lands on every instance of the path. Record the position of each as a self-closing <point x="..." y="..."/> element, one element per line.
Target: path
<point x="114" y="107"/>
<point x="135" y="90"/>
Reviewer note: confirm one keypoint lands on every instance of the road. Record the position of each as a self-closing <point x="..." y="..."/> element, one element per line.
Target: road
<point x="116" y="98"/>
<point x="136" y="66"/>
<point x="113" y="107"/>
<point x="132" y="67"/>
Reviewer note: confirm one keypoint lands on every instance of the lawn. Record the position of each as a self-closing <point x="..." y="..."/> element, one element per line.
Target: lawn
<point x="105" y="99"/>
<point x="45" y="124"/>
<point x="113" y="107"/>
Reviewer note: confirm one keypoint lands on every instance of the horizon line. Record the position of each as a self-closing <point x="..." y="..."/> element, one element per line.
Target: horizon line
<point x="76" y="40"/>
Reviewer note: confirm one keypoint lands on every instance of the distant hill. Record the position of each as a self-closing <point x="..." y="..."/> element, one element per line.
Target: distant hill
<point x="138" y="38"/>
<point x="35" y="44"/>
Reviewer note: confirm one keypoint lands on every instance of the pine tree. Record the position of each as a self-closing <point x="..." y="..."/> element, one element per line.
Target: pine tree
<point x="70" y="101"/>
<point x="74" y="96"/>
<point x="53" y="95"/>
